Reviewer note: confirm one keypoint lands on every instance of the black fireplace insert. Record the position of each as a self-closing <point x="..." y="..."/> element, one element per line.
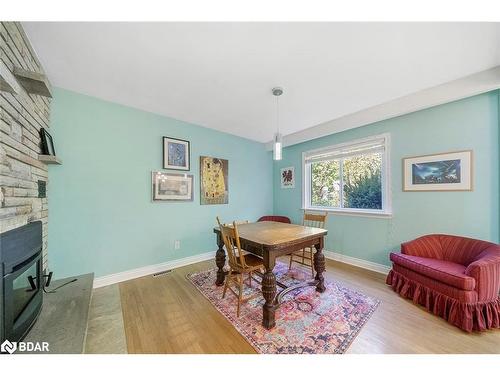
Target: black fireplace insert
<point x="21" y="280"/>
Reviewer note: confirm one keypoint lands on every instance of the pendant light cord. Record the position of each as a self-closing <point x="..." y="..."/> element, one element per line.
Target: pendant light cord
<point x="278" y="114"/>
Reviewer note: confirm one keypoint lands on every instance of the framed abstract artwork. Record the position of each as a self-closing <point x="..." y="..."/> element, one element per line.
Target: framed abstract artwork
<point x="438" y="172"/>
<point x="172" y="186"/>
<point x="214" y="188"/>
<point x="287" y="176"/>
<point x="176" y="154"/>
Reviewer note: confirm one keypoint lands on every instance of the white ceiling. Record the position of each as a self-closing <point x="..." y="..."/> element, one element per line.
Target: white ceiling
<point x="220" y="75"/>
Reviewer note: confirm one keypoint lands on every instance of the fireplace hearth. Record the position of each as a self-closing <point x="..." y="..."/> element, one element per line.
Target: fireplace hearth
<point x="20" y="280"/>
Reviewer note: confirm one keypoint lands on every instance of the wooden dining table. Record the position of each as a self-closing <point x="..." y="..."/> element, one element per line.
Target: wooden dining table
<point x="271" y="240"/>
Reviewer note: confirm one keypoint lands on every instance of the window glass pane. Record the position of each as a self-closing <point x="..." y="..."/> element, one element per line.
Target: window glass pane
<point x="362" y="178"/>
<point x="325" y="183"/>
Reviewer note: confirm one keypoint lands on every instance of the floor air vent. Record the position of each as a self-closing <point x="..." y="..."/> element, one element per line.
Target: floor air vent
<point x="162" y="273"/>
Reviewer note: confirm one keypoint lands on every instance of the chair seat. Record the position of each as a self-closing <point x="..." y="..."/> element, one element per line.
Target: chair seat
<point x="252" y="260"/>
<point x="447" y="272"/>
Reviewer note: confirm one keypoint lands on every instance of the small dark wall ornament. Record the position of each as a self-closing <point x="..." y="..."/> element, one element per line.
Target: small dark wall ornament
<point x="287" y="178"/>
<point x="42" y="189"/>
<point x="47" y="143"/>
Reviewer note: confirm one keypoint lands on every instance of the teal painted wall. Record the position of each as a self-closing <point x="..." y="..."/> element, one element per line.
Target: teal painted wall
<point x="101" y="218"/>
<point x="471" y="123"/>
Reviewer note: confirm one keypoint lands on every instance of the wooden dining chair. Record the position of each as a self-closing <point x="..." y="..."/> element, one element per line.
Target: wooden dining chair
<point x="239" y="263"/>
<point x="306" y="255"/>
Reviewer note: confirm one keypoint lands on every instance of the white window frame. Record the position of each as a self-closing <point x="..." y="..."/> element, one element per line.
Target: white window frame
<point x="385" y="212"/>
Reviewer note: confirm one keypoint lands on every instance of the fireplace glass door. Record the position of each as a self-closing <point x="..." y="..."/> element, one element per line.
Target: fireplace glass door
<point x="22" y="297"/>
<point x="21" y="280"/>
<point x="24" y="287"/>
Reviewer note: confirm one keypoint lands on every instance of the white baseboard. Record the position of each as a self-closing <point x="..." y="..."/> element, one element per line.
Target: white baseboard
<point x="154" y="268"/>
<point x="372" y="266"/>
<point x="148" y="270"/>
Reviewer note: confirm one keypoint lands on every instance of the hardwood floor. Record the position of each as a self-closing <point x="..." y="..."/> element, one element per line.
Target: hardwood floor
<point x="168" y="315"/>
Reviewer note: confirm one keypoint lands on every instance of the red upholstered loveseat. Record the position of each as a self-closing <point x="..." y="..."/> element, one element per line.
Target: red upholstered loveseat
<point x="453" y="277"/>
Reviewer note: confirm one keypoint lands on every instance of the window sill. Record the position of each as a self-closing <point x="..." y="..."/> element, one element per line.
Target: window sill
<point x="344" y="212"/>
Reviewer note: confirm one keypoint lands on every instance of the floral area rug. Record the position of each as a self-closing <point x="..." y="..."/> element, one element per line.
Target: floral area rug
<point x="306" y="321"/>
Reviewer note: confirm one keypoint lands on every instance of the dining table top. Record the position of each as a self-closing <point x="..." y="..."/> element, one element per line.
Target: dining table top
<point x="270" y="233"/>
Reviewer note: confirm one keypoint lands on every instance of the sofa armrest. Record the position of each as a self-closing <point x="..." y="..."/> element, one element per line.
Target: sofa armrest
<point x="425" y="246"/>
<point x="486" y="270"/>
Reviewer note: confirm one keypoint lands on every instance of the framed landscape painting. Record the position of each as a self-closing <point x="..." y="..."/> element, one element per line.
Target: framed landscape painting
<point x="287" y="176"/>
<point x="214" y="188"/>
<point x="172" y="186"/>
<point x="176" y="154"/>
<point x="438" y="172"/>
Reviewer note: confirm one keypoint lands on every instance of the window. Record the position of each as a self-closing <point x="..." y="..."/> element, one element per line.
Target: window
<point x="350" y="177"/>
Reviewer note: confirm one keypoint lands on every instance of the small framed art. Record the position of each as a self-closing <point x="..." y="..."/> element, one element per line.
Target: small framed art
<point x="172" y="186"/>
<point x="438" y="172"/>
<point x="47" y="143"/>
<point x="287" y="176"/>
<point x="176" y="154"/>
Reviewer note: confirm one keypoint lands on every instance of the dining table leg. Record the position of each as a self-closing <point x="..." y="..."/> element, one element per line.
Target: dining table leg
<point x="319" y="266"/>
<point x="269" y="293"/>
<point x="220" y="261"/>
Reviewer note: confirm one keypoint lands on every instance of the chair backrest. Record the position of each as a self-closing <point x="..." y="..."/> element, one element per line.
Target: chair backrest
<point x="279" y="219"/>
<point x="315" y="220"/>
<point x="231" y="239"/>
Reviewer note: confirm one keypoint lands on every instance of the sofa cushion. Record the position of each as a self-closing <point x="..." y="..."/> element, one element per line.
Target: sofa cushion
<point x="464" y="296"/>
<point x="447" y="272"/>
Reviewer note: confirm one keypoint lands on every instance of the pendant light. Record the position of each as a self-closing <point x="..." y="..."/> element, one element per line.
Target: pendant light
<point x="278" y="144"/>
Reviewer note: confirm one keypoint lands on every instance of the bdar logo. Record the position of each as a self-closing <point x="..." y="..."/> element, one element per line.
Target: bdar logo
<point x="8" y="347"/>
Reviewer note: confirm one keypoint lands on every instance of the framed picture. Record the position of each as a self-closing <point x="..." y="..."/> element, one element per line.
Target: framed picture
<point x="172" y="186"/>
<point x="176" y="154"/>
<point x="214" y="188"/>
<point x="287" y="176"/>
<point x="47" y="143"/>
<point x="438" y="172"/>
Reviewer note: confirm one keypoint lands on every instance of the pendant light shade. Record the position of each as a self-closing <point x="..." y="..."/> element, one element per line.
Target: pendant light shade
<point x="277" y="147"/>
<point x="278" y="143"/>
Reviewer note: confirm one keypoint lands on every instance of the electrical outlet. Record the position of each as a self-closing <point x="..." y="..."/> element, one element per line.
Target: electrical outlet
<point x="177" y="245"/>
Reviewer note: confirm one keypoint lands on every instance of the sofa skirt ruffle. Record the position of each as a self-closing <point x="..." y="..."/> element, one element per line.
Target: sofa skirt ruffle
<point x="470" y="317"/>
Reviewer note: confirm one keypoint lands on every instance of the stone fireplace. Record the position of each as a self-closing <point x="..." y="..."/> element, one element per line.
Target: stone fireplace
<point x="22" y="115"/>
